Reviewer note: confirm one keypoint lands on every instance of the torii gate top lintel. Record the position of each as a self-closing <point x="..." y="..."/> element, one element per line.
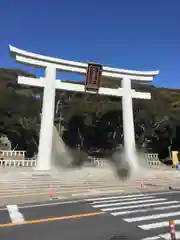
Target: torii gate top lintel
<point x="78" y="67"/>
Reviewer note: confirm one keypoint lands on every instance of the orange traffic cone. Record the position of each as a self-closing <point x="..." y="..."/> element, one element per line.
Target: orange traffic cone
<point x="50" y="192"/>
<point x="141" y="185"/>
<point x="172" y="230"/>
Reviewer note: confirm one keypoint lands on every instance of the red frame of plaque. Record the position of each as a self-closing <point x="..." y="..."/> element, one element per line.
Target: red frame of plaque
<point x="93" y="77"/>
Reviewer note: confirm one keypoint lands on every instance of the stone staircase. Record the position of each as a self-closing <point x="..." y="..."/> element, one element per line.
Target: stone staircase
<point x="27" y="185"/>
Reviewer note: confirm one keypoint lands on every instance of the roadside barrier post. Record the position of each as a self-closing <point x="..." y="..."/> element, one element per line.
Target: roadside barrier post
<point x="172" y="230"/>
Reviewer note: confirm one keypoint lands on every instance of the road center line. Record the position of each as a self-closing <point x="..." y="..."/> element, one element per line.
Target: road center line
<point x="51" y="219"/>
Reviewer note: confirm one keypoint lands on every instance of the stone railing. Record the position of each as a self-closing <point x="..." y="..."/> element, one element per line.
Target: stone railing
<point x="7" y="154"/>
<point x="151" y="159"/>
<point x="18" y="163"/>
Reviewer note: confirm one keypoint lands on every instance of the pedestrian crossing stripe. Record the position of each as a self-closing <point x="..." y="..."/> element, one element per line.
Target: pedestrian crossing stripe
<point x="120" y="200"/>
<point x="158" y="225"/>
<point x="146" y="210"/>
<point x="152" y="238"/>
<point x="141" y="203"/>
<point x="126" y="203"/>
<point x="150" y="217"/>
<point x="165" y="236"/>
<point x="129" y="196"/>
<point x="114" y="197"/>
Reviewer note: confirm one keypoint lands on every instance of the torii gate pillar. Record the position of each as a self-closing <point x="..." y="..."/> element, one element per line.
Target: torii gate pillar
<point x="128" y="123"/>
<point x="47" y="121"/>
<point x="49" y="83"/>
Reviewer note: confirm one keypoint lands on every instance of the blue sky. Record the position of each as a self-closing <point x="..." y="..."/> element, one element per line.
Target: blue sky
<point x="131" y="34"/>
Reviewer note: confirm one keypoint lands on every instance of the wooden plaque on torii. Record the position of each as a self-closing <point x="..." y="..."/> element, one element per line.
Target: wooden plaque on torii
<point x="93" y="77"/>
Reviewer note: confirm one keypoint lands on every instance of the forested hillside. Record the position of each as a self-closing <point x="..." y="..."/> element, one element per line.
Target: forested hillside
<point x="90" y="121"/>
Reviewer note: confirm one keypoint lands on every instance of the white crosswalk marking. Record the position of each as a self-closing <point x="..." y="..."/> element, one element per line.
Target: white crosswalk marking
<point x="115" y="197"/>
<point x="122" y="200"/>
<point x="158" y="225"/>
<point x="145" y="210"/>
<point x="149" y="217"/>
<point x="139" y="206"/>
<point x="165" y="236"/>
<point x="126" y="203"/>
<point x="131" y="209"/>
<point x="151" y="238"/>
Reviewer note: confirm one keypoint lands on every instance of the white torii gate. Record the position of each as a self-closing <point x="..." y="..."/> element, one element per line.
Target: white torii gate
<point x="50" y="84"/>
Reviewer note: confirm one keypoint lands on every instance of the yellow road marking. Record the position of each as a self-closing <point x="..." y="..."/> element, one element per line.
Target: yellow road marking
<point x="51" y="219"/>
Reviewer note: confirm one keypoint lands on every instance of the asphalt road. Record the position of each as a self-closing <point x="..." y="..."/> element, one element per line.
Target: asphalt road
<point x="133" y="216"/>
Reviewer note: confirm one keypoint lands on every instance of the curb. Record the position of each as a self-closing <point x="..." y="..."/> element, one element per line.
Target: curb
<point x="174" y="188"/>
<point x="54" y="198"/>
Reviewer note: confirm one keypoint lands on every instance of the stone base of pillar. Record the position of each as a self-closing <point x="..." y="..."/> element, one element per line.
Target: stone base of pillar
<point x="49" y="172"/>
<point x="43" y="165"/>
<point x="44" y="168"/>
